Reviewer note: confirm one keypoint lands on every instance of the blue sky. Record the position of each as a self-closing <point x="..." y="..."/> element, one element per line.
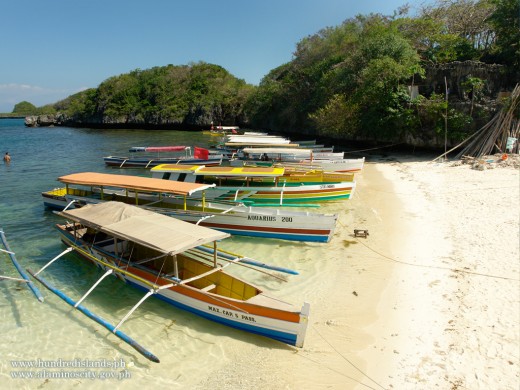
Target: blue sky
<point x="52" y="49"/>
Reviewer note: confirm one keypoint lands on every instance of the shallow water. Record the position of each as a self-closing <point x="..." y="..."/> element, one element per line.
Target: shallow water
<point x="67" y="348"/>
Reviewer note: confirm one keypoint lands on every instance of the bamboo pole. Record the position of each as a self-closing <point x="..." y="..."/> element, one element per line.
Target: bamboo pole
<point x="96" y="318"/>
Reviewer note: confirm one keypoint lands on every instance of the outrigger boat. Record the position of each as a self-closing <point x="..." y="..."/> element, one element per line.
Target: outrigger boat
<point x="200" y="156"/>
<point x="179" y="200"/>
<point x="255" y="185"/>
<point x="328" y="161"/>
<point x="172" y="260"/>
<point x="24" y="278"/>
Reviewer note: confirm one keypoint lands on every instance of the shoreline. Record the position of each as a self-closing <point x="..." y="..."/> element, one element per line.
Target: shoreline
<point x="428" y="300"/>
<point x="407" y="307"/>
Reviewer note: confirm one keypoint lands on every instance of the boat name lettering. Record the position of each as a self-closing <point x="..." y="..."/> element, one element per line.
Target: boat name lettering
<point x="215" y="309"/>
<point x="261" y="218"/>
<point x="225" y="312"/>
<point x="248" y="318"/>
<point x="231" y="314"/>
<point x="286" y="219"/>
<point x="327" y="186"/>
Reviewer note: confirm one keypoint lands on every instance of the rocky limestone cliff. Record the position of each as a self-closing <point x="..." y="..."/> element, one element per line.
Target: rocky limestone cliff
<point x="41" y="120"/>
<point x="456" y="73"/>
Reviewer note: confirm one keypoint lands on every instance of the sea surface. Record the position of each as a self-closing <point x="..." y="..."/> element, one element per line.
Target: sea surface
<point x="55" y="339"/>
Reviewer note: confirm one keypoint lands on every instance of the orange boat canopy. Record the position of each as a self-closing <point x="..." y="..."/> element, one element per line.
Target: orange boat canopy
<point x="134" y="183"/>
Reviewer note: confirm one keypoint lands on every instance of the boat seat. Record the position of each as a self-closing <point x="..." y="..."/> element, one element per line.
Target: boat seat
<point x="208" y="288"/>
<point x="105" y="242"/>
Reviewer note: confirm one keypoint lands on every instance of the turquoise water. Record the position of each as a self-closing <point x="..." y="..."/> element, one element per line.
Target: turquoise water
<point x="40" y="155"/>
<point x="189" y="347"/>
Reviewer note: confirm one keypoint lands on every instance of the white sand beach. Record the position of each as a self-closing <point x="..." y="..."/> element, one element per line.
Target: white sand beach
<point x="430" y="299"/>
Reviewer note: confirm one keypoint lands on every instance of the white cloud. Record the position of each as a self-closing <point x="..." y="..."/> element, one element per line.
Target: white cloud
<point x="11" y="94"/>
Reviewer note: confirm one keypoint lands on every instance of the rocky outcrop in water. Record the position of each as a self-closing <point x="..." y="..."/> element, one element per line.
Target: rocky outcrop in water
<point x="41" y="121"/>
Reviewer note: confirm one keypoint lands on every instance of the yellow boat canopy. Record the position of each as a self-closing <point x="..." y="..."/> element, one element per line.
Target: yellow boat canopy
<point x="156" y="231"/>
<point x="134" y="183"/>
<point x="226" y="171"/>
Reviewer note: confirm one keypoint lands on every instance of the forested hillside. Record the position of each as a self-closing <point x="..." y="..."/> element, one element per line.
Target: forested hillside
<point x="190" y="96"/>
<point x="374" y="77"/>
<point x="368" y="78"/>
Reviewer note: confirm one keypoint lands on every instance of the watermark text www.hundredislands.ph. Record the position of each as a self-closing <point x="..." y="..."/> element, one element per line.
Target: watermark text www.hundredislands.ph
<point x="70" y="369"/>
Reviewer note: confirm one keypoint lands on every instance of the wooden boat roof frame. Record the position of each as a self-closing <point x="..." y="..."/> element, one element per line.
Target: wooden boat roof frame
<point x="136" y="183"/>
<point x="150" y="229"/>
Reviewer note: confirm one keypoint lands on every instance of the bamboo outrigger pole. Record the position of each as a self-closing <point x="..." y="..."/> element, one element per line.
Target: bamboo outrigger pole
<point x="24" y="276"/>
<point x="237" y="258"/>
<point x="77" y="304"/>
<point x="98" y="319"/>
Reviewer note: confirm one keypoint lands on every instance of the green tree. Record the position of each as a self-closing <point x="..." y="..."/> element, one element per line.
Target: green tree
<point x="188" y="95"/>
<point x="337" y="118"/>
<point x="25" y="108"/>
<point x="506" y="24"/>
<point x="348" y="77"/>
<point x="461" y="29"/>
<point x="473" y="86"/>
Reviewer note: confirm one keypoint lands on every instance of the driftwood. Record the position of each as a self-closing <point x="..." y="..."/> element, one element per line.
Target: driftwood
<point x="493" y="136"/>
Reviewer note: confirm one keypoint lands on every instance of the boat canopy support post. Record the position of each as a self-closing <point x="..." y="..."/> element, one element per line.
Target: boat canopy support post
<point x="281" y="194"/>
<point x="215" y="252"/>
<point x="139" y="348"/>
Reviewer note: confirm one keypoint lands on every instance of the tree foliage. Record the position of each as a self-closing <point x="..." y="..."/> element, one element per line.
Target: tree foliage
<point x="356" y="79"/>
<point x="343" y="80"/>
<point x="505" y="21"/>
<point x="25" y="108"/>
<point x="190" y="95"/>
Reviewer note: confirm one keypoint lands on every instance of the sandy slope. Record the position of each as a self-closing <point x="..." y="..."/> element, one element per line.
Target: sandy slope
<point x="459" y="291"/>
<point x="429" y="300"/>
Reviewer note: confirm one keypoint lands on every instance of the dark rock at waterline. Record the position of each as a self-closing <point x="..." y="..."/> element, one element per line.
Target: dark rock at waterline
<point x="40" y="120"/>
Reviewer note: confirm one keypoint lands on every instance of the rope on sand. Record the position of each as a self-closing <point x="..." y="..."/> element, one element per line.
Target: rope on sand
<point x="377" y="147"/>
<point x="436" y="267"/>
<point x="352" y="364"/>
<point x="460" y="271"/>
